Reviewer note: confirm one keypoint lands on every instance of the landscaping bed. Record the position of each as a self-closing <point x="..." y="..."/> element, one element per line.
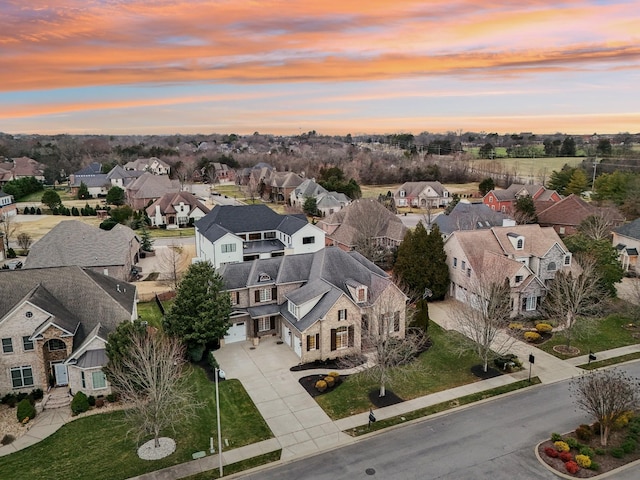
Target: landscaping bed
<point x="585" y="458"/>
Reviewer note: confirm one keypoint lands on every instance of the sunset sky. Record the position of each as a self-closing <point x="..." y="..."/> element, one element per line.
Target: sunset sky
<point x="337" y="67"/>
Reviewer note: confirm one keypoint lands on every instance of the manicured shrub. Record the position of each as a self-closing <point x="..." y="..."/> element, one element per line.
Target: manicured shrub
<point x="37" y="394"/>
<point x="7" y="439"/>
<point x="544" y="328"/>
<point x="92" y="401"/>
<point x="583" y="432"/>
<point x="572" y="467"/>
<point x="555" y="437"/>
<point x="572" y="442"/>
<point x="583" y="461"/>
<point x="330" y="381"/>
<point x="623" y="420"/>
<point x="600" y="451"/>
<point x="112" y="397"/>
<point x="213" y="363"/>
<point x="99" y="402"/>
<point x="11" y="253"/>
<point x="321" y="385"/>
<point x="507" y="362"/>
<point x="561" y="446"/>
<point x="629" y="445"/>
<point x="10" y="399"/>
<point x="80" y="403"/>
<point x="551" y="452"/>
<point x="532" y="336"/>
<point x="617" y="452"/>
<point x="566" y="456"/>
<point x="25" y="411"/>
<point x="594" y="466"/>
<point x="516" y="326"/>
<point x="587" y="451"/>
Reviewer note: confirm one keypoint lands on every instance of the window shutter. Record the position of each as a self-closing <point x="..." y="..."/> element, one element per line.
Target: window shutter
<point x="308" y="342"/>
<point x="351" y="336"/>
<point x="257" y="295"/>
<point x="256" y="326"/>
<point x="333" y="339"/>
<point x="272" y="323"/>
<point x="274" y="293"/>
<point x="317" y="341"/>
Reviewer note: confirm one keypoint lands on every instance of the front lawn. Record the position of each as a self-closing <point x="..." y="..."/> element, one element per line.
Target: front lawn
<point x="442" y="368"/>
<point x="168" y="233"/>
<point x="606" y="333"/>
<point x="98" y="446"/>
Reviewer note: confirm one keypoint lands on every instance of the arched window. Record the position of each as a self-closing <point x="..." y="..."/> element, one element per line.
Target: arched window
<point x="552" y="266"/>
<point x="56" y="344"/>
<point x="520" y="244"/>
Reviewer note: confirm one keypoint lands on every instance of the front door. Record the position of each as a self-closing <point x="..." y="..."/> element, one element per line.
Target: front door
<point x="60" y="371"/>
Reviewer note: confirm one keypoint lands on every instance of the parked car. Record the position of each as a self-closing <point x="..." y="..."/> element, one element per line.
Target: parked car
<point x="14" y="264"/>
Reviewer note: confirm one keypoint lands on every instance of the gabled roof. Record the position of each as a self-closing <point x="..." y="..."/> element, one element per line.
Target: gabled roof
<point x="61" y="316"/>
<point x="469" y="216"/>
<point x="413" y="189"/>
<point x="168" y="200"/>
<point x="285" y="179"/>
<point x="92" y="169"/>
<point x="514" y="189"/>
<point x="148" y="185"/>
<point x="323" y="274"/>
<point x="92" y="298"/>
<point x="246" y="218"/>
<point x="73" y="242"/>
<point x="97" y="180"/>
<point x="631" y="229"/>
<point x="350" y="221"/>
<point x="309" y="188"/>
<point x="571" y="210"/>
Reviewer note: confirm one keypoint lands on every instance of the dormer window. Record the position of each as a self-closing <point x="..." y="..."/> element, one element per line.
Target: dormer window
<point x="293" y="309"/>
<point x="361" y="294"/>
<point x="263" y="277"/>
<point x="520" y="243"/>
<point x="402" y="194"/>
<point x="516" y="240"/>
<point x="518" y="278"/>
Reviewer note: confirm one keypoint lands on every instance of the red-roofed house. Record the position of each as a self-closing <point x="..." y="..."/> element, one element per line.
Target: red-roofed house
<point x="566" y="215"/>
<point x="504" y="200"/>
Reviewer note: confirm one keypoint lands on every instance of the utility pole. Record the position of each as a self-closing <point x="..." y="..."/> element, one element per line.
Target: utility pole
<point x="593" y="182"/>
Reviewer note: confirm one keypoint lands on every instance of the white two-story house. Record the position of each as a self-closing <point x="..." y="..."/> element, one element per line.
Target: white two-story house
<point x="233" y="234"/>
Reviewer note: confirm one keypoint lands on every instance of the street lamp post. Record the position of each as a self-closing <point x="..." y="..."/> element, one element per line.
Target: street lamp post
<point x="217" y="372"/>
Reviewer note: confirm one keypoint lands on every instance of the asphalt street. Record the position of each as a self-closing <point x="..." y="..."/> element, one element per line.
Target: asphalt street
<point x="493" y="440"/>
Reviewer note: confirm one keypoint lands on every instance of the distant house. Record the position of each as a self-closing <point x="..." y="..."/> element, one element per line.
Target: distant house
<point x="319" y="304"/>
<point x="363" y="217"/>
<point x="326" y="202"/>
<point x="223" y="174"/>
<point x="470" y="216"/>
<point x="54" y="324"/>
<point x="176" y="209"/>
<point x="22" y="167"/>
<point x="148" y="188"/>
<point x="279" y="186"/>
<point x="98" y="184"/>
<point x="7" y="204"/>
<point x="421" y="195"/>
<point x="504" y="200"/>
<point x="232" y="234"/>
<point x="73" y="242"/>
<point x="566" y="215"/>
<point x="529" y="256"/>
<point x="626" y="240"/>
<point x="152" y="165"/>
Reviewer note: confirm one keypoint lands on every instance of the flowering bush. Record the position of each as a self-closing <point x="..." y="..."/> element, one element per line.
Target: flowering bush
<point x="544" y="328"/>
<point x="566" y="457"/>
<point x="531" y="336"/>
<point x="561" y="446"/>
<point x="572" y="467"/>
<point x="551" y="452"/>
<point x="321" y="385"/>
<point x="583" y="461"/>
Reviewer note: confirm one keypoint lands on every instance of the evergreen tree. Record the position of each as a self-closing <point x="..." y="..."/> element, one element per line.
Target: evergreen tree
<point x="83" y="191"/>
<point x="578" y="183"/>
<point x="422" y="263"/>
<point x="486" y="186"/>
<point x="51" y="199"/>
<point x="115" y="196"/>
<point x="310" y="206"/>
<point x="200" y="313"/>
<point x="568" y="147"/>
<point x="560" y="179"/>
<point x="524" y="211"/>
<point x="146" y="242"/>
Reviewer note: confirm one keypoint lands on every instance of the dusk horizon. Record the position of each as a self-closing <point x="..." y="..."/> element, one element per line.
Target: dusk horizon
<point x="132" y="67"/>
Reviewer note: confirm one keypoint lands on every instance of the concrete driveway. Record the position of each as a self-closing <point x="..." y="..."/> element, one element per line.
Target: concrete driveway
<point x="299" y="424"/>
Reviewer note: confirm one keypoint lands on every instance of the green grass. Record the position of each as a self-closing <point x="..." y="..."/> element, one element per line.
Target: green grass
<point x="99" y="447"/>
<point x="238" y="466"/>
<point x="610" y="361"/>
<point x="149" y="312"/>
<point x="442" y="368"/>
<point x="607" y="333"/>
<point x="441" y="407"/>
<point x="164" y="233"/>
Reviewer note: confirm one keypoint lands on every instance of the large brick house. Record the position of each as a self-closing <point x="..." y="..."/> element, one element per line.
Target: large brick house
<point x="505" y="200"/>
<point x="54" y="324"/>
<point x="529" y="256"/>
<point x="319" y="304"/>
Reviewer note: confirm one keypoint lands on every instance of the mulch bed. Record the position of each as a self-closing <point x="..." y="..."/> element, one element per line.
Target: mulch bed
<point x="389" y="398"/>
<point x="309" y="384"/>
<point x="478" y="371"/>
<point x="519" y="334"/>
<point x="334" y="364"/>
<point x="606" y="461"/>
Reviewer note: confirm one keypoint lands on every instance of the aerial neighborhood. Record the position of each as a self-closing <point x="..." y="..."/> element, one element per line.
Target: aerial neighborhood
<point x="250" y="260"/>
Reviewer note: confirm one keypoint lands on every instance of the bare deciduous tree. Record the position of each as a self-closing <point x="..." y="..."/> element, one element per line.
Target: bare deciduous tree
<point x="572" y="296"/>
<point x="8" y="226"/>
<point x="149" y="376"/>
<point x="173" y="262"/>
<point x="485" y="313"/>
<point x="24" y="240"/>
<point x="391" y="348"/>
<point x="598" y="226"/>
<point x="606" y="395"/>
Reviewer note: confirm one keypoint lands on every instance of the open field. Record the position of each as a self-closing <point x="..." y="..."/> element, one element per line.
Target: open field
<point x="38" y="225"/>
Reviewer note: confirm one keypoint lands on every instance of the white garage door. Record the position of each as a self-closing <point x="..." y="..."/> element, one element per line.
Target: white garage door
<point x="237" y="333"/>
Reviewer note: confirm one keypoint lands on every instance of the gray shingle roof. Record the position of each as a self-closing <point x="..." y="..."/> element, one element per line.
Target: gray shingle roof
<point x="631" y="230"/>
<point x="469" y="216"/>
<point x="73" y="242"/>
<point x="62" y="317"/>
<point x="92" y="298"/>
